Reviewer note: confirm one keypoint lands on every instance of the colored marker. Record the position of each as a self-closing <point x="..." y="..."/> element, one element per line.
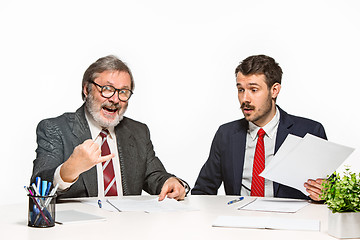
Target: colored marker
<point x="235" y="200"/>
<point x="48" y="189"/>
<point x="43" y="188"/>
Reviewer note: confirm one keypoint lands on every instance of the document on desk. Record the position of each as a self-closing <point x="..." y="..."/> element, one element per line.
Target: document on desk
<point x="144" y="205"/>
<point x="275" y="205"/>
<point x="300" y="159"/>
<point x="73" y="216"/>
<point x="267" y="223"/>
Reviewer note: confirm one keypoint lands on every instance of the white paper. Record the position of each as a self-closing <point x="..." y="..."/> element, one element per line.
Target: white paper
<point x="267" y="223"/>
<point x="275" y="205"/>
<point x="149" y="205"/>
<point x="312" y="158"/>
<point x="73" y="216"/>
<point x="288" y="145"/>
<point x="352" y="162"/>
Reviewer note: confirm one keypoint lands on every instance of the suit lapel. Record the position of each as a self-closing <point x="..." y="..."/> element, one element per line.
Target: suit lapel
<point x="81" y="132"/>
<point x="238" y="145"/>
<point x="126" y="149"/>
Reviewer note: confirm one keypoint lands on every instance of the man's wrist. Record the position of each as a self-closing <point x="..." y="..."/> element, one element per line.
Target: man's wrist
<point x="184" y="184"/>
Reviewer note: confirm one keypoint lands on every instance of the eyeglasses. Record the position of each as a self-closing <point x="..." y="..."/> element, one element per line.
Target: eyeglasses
<point x="108" y="91"/>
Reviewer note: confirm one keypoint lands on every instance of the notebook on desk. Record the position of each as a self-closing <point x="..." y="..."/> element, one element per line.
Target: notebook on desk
<point x="73" y="216"/>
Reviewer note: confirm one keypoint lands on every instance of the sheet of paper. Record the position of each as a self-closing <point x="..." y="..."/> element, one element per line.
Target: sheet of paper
<point x="73" y="216"/>
<point x="267" y="223"/>
<point x="352" y="161"/>
<point x="288" y="145"/>
<point x="144" y="205"/>
<point x="275" y="205"/>
<point x="311" y="158"/>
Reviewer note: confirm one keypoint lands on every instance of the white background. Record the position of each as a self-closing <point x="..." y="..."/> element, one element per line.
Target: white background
<point x="182" y="55"/>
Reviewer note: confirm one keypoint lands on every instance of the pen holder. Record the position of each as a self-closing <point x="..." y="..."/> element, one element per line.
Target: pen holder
<point x="41" y="211"/>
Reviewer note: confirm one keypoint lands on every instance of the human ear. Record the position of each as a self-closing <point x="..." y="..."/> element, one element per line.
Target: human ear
<point x="85" y="90"/>
<point x="275" y="90"/>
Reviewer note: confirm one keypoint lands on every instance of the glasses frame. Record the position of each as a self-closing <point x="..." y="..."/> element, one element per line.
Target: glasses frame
<point x="116" y="90"/>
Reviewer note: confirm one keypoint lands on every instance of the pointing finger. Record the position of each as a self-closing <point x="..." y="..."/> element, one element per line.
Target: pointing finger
<point x="106" y="158"/>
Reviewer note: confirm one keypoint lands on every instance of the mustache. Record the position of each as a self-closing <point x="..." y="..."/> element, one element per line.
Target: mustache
<point x="247" y="106"/>
<point x="111" y="105"/>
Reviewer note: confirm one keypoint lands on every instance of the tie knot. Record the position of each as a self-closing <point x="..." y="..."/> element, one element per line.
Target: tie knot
<point x="261" y="133"/>
<point x="104" y="133"/>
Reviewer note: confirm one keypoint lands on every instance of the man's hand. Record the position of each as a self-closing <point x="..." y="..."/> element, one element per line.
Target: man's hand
<point x="172" y="189"/>
<point x="313" y="187"/>
<point x="84" y="157"/>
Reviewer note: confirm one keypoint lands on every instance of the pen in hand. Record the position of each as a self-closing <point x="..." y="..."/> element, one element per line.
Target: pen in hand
<point x="235" y="200"/>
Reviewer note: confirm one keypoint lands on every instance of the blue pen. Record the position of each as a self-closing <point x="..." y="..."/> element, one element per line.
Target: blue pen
<point x="48" y="189"/>
<point x="99" y="203"/>
<point x="43" y="188"/>
<point x="235" y="200"/>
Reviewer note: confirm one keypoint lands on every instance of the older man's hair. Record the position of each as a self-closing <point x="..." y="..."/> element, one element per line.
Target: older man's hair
<point x="108" y="63"/>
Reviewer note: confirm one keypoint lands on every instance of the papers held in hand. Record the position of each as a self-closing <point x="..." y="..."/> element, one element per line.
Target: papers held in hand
<point x="299" y="159"/>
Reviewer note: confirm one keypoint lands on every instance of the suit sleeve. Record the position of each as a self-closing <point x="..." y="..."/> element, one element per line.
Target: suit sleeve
<point x="210" y="177"/>
<point x="320" y="130"/>
<point x="49" y="152"/>
<point x="155" y="174"/>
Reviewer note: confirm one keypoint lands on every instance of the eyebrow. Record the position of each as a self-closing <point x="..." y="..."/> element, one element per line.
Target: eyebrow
<point x="110" y="84"/>
<point x="250" y="84"/>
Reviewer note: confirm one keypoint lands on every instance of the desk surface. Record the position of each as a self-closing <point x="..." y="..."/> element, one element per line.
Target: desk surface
<point x="161" y="225"/>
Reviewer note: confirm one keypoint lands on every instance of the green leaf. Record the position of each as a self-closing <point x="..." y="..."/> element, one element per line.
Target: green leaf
<point x="342" y="194"/>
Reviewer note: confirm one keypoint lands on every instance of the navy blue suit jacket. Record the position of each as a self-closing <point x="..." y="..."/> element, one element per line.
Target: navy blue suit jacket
<point x="226" y="160"/>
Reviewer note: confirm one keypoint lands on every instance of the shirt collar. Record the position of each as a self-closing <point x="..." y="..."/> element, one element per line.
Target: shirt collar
<point x="269" y="128"/>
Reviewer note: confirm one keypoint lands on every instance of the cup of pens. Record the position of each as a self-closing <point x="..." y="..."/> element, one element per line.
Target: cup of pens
<point x="41" y="212"/>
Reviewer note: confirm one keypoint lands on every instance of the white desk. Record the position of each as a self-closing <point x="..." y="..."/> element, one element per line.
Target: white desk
<point x="163" y="225"/>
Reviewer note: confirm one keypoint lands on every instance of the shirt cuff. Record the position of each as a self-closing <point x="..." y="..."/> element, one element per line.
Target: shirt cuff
<point x="58" y="180"/>
<point x="184" y="184"/>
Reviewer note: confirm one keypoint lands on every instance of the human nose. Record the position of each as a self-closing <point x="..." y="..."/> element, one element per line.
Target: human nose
<point x="244" y="97"/>
<point x="115" y="97"/>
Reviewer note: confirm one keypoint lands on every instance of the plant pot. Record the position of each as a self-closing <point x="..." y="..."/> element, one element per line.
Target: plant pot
<point x="344" y="225"/>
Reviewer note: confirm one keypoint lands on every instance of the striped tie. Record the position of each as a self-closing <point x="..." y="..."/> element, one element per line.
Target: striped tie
<point x="108" y="168"/>
<point x="258" y="183"/>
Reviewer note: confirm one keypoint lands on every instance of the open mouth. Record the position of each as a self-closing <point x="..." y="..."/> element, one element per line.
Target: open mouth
<point x="110" y="110"/>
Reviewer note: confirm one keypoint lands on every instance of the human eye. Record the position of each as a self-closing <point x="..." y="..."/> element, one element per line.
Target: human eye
<point x="124" y="92"/>
<point x="240" y="90"/>
<point x="108" y="88"/>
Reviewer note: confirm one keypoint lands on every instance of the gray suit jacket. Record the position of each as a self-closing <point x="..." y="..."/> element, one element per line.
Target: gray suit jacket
<point x="140" y="168"/>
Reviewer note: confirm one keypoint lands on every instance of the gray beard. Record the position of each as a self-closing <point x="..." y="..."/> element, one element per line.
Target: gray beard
<point x="95" y="113"/>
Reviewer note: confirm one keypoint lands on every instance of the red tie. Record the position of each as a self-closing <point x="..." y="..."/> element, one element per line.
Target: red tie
<point x="108" y="168"/>
<point x="258" y="183"/>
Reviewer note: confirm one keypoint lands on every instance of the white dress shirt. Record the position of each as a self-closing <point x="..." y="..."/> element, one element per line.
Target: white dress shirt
<point x="95" y="130"/>
<point x="269" y="142"/>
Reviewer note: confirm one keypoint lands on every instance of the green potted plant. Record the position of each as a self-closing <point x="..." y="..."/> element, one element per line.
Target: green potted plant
<point x="341" y="193"/>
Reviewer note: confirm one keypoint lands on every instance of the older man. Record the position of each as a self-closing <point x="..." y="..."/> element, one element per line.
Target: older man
<point x="96" y="151"/>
